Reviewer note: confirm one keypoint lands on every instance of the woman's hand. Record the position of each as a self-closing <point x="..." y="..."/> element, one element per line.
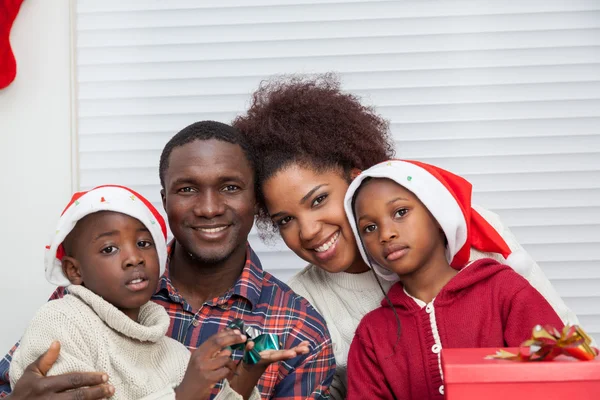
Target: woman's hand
<point x="209" y="364"/>
<point x="34" y="384"/>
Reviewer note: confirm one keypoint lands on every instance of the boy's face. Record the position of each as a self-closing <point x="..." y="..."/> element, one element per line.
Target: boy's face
<point x="209" y="199"/>
<point x="114" y="256"/>
<point x="398" y="231"/>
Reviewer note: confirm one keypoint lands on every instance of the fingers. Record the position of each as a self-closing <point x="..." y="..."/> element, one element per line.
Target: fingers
<point x="74" y="380"/>
<point x="92" y="393"/>
<point x="220" y="340"/>
<point x="272" y="356"/>
<point x="220" y="362"/>
<point x="44" y="362"/>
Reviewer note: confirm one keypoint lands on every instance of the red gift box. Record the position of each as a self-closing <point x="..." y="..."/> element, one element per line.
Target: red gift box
<point x="469" y="375"/>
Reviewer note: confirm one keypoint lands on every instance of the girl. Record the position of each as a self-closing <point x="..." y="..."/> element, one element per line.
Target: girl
<point x="311" y="140"/>
<point x="416" y="221"/>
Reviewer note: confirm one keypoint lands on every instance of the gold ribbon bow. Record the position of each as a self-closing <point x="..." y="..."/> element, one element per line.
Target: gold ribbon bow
<point x="547" y="343"/>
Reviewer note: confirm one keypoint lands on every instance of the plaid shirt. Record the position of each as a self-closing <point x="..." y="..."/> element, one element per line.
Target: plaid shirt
<point x="262" y="302"/>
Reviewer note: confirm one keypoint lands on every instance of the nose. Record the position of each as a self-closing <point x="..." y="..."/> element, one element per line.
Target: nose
<point x="209" y="205"/>
<point x="387" y="232"/>
<point x="309" y="229"/>
<point x="133" y="257"/>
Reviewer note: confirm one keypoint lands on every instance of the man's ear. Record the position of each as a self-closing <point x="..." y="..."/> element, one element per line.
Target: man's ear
<point x="354" y="172"/>
<point x="72" y="270"/>
<point x="163" y="197"/>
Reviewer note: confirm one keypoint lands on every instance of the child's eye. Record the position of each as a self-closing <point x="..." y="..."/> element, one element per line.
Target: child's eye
<point x="186" y="190"/>
<point x="369" y="228"/>
<point x="144" y="244"/>
<point x="108" y="250"/>
<point x="400" y="213"/>
<point x="284" y="220"/>
<point x="318" y="200"/>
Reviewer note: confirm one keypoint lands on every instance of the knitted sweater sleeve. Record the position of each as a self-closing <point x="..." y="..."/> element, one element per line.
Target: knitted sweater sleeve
<point x="48" y="325"/>
<point x="227" y="393"/>
<point x="366" y="380"/>
<point x="524" y="310"/>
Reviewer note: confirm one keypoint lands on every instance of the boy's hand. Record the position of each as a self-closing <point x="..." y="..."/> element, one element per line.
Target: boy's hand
<point x="247" y="376"/>
<point x="76" y="386"/>
<point x="209" y="364"/>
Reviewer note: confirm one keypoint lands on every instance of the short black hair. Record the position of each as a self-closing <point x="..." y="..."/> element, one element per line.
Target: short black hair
<point x="204" y="130"/>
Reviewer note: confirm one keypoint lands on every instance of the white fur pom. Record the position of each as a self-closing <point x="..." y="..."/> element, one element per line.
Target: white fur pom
<point x="521" y="262"/>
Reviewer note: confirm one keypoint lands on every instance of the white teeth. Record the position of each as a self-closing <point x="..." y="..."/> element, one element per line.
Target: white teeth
<point x="213" y="230"/>
<point x="138" y="280"/>
<point x="326" y="246"/>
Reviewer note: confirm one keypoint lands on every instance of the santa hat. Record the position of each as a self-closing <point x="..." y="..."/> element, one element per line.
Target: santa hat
<point x="103" y="198"/>
<point x="448" y="199"/>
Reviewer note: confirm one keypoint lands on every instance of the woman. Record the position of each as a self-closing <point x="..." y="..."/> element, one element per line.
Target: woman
<point x="311" y="141"/>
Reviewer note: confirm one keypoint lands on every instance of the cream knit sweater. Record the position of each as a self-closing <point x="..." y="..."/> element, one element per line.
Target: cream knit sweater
<point x="141" y="362"/>
<point x="343" y="299"/>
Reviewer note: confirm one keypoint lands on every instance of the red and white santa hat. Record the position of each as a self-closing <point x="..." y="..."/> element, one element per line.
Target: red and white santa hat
<point x="103" y="198"/>
<point x="448" y="198"/>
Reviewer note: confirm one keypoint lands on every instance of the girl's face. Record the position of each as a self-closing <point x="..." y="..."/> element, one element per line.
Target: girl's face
<point x="308" y="208"/>
<point x="398" y="231"/>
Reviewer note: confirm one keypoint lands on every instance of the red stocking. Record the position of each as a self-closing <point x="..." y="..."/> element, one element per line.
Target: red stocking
<point x="8" y="65"/>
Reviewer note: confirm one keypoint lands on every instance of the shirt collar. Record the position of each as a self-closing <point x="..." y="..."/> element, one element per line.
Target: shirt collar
<point x="247" y="286"/>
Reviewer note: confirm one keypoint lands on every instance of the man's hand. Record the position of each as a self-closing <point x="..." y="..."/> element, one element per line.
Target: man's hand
<point x="247" y="376"/>
<point x="209" y="364"/>
<point x="76" y="386"/>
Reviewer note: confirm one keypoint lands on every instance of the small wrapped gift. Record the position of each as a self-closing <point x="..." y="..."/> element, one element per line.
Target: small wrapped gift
<point x="265" y="341"/>
<point x="552" y="365"/>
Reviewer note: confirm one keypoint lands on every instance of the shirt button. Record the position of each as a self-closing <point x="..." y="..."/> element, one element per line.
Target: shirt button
<point x="436" y="348"/>
<point x="429" y="308"/>
<point x="441" y="389"/>
<point x="195" y="322"/>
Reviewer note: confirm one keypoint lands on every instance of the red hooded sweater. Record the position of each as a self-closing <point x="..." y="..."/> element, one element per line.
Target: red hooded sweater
<point x="487" y="304"/>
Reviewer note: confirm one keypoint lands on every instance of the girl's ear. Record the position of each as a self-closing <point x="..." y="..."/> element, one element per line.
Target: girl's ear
<point x="354" y="172"/>
<point x="72" y="270"/>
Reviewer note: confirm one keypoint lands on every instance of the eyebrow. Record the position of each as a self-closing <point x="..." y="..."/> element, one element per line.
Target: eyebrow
<point x="388" y="203"/>
<point x="396" y="199"/>
<point x="105" y="234"/>
<point x="221" y="180"/>
<point x="311" y="192"/>
<point x="116" y="232"/>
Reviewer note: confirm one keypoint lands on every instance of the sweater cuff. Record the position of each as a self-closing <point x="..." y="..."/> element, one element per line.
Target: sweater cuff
<point x="164" y="394"/>
<point x="227" y="393"/>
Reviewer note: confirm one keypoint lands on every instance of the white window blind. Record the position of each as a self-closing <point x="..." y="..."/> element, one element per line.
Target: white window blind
<point x="505" y="93"/>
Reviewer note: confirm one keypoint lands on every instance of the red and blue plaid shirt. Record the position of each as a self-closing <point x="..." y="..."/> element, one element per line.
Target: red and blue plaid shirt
<point x="262" y="302"/>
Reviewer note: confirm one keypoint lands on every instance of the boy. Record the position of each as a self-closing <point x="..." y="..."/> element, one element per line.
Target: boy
<point x="109" y="249"/>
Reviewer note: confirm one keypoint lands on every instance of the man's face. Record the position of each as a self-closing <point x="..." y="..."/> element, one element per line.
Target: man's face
<point x="209" y="199"/>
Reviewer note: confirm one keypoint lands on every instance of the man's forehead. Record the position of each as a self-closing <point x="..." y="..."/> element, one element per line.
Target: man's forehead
<point x="207" y="151"/>
<point x="211" y="156"/>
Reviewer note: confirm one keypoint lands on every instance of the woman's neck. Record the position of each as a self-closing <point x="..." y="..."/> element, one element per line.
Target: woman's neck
<point x="358" y="266"/>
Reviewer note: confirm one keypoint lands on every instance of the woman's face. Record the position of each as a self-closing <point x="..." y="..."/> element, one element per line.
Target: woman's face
<point x="308" y="208"/>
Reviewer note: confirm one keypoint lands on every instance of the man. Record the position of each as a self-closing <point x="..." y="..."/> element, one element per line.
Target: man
<point x="213" y="276"/>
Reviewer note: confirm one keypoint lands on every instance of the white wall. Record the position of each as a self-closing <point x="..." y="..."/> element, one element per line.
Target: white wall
<point x="35" y="158"/>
